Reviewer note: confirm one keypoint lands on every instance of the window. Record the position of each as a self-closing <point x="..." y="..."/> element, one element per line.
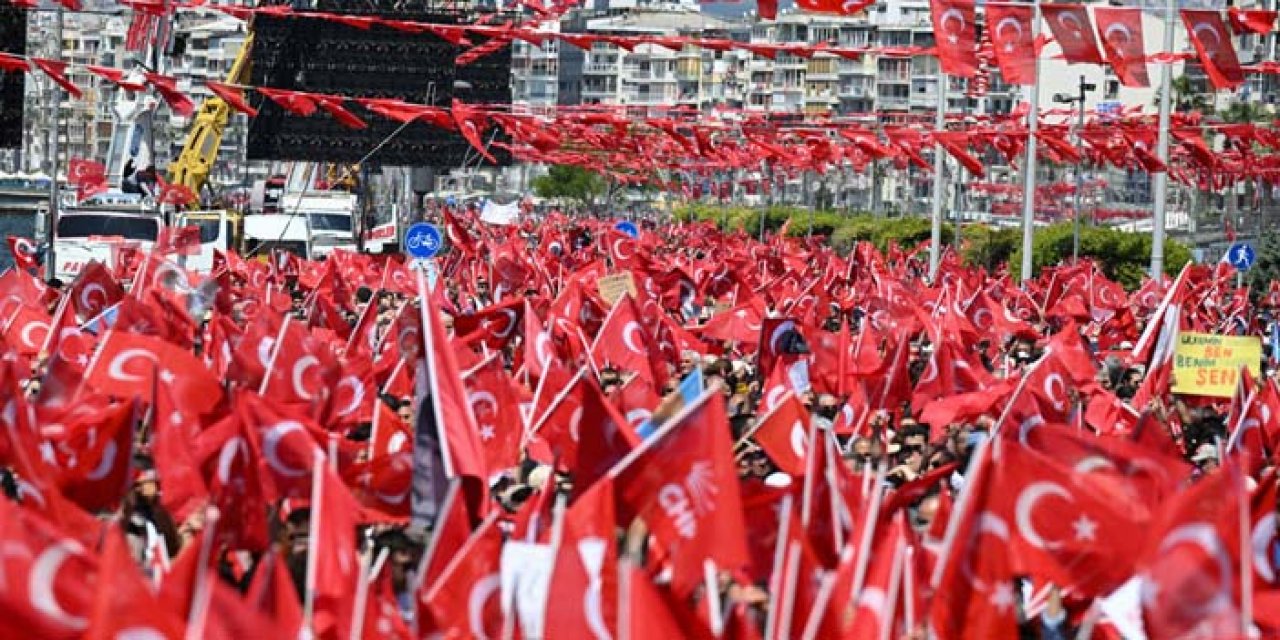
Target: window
<point x="129" y="228"/>
<point x="329" y="222"/>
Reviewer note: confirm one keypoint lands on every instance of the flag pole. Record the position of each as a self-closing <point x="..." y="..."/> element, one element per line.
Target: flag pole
<point x="1160" y="181"/>
<point x="939" y="179"/>
<point x="1029" y="166"/>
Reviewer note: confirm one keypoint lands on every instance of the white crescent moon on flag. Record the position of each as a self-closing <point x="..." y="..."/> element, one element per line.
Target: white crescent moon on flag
<point x="799" y="439"/>
<point x="481" y="591"/>
<point x="108" y="462"/>
<point x="40" y="585"/>
<point x="26" y="334"/>
<point x="271" y="442"/>
<point x="1054" y="382"/>
<point x="630" y="334"/>
<point x="1263" y="533"/>
<point x="1203" y="535"/>
<point x="227" y="456"/>
<point x="988" y="523"/>
<point x="1002" y="25"/>
<point x="116" y="368"/>
<point x="777" y="334"/>
<point x="1027" y="503"/>
<point x="357" y="394"/>
<point x="299" y="373"/>
<point x="1123" y="35"/>
<point x="1071" y="22"/>
<point x="86" y="296"/>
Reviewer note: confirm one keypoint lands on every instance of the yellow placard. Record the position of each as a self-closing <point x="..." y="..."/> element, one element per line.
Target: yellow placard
<point x="1205" y="364"/>
<point x="613" y="287"/>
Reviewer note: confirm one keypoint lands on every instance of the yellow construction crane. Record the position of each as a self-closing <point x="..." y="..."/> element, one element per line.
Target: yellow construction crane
<point x="191" y="168"/>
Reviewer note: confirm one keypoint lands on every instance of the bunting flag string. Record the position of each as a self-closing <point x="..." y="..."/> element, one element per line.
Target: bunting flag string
<point x="642" y="150"/>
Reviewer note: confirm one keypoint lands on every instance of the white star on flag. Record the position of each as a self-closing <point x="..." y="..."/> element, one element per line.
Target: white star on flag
<point x="1002" y="596"/>
<point x="486" y="432"/>
<point x="1085" y="528"/>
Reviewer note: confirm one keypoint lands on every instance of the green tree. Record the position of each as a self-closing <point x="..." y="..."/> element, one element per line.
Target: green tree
<point x="570" y="183"/>
<point x="1267" y="267"/>
<point x="1124" y="256"/>
<point x="1186" y="96"/>
<point x="989" y="247"/>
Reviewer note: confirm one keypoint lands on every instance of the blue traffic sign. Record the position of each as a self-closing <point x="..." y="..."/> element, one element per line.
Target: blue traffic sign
<point x="1241" y="256"/>
<point x="628" y="227"/>
<point x="423" y="240"/>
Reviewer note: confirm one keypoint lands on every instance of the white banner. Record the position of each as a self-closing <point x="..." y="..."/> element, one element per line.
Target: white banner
<point x="494" y="213"/>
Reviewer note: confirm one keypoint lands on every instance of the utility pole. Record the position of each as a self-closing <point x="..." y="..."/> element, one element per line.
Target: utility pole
<point x="55" y="117"/>
<point x="1029" y="165"/>
<point x="1160" y="181"/>
<point x="939" y="179"/>
<point x="1078" y="99"/>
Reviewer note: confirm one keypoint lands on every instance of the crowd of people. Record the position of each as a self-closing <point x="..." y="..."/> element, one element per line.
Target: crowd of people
<point x="573" y="429"/>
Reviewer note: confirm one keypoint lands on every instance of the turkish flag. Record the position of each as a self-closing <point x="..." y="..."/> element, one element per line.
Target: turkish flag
<point x="956" y="143"/>
<point x="954" y="25"/>
<point x="102" y="455"/>
<point x="1190" y="576"/>
<point x="495" y="401"/>
<point x="624" y="343"/>
<point x="233" y="96"/>
<point x="838" y="7"/>
<point x="127" y="365"/>
<point x="94" y="290"/>
<point x="334" y="565"/>
<point x="645" y="611"/>
<point x="81" y="171"/>
<point x="125" y="605"/>
<point x="167" y="87"/>
<point x="465" y="601"/>
<point x="333" y="106"/>
<point x="974" y="597"/>
<point x="1012" y="42"/>
<point x="23" y="251"/>
<point x="1257" y="21"/>
<point x="57" y="71"/>
<point x="383" y="481"/>
<point x="495" y="325"/>
<point x="294" y="102"/>
<point x="1214" y="45"/>
<point x="445" y="425"/>
<point x="1073" y="31"/>
<point x="784" y="433"/>
<point x="1120" y="29"/>
<point x="1067" y="527"/>
<point x="583" y="589"/>
<point x="273" y="593"/>
<point x="48" y="592"/>
<point x="472" y="124"/>
<point x="684" y="483"/>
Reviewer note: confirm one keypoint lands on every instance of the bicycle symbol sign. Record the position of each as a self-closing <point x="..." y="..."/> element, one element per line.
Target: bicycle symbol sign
<point x="423" y="240"/>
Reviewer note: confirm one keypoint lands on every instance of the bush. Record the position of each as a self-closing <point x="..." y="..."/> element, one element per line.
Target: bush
<point x="1124" y="256"/>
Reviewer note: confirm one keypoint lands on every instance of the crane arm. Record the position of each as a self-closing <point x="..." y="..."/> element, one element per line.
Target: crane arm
<point x="193" y="165"/>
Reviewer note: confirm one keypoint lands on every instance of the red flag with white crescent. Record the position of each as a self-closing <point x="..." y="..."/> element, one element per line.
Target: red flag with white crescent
<point x="1120" y="29"/>
<point x="1012" y="41"/>
<point x="1213" y="42"/>
<point x="1073" y="31"/>
<point x="955" y="26"/>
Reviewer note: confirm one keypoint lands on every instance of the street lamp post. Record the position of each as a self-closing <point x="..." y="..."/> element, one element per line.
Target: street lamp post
<point x="1078" y="100"/>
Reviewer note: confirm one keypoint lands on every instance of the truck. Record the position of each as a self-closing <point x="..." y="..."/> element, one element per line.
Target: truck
<point x="323" y="218"/>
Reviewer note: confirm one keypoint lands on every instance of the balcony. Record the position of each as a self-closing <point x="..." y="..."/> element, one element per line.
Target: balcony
<point x="600" y="69"/>
<point x="893" y="103"/>
<point x="855" y="91"/>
